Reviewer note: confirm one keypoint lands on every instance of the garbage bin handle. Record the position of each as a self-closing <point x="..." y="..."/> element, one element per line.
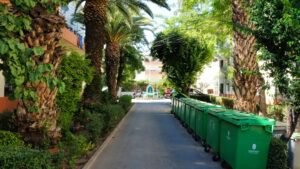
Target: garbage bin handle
<point x="269" y="128"/>
<point x="245" y="126"/>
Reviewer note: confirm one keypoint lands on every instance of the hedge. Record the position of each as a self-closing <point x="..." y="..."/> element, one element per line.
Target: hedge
<point x="227" y="102"/>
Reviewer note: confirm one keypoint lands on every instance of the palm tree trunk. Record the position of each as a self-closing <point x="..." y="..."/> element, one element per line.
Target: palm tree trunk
<point x="112" y="59"/>
<point x="37" y="125"/>
<point x="245" y="63"/>
<point x="120" y="71"/>
<point x="262" y="97"/>
<point x="95" y="20"/>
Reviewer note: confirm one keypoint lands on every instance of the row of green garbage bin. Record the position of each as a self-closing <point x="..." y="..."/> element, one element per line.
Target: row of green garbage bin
<point x="240" y="139"/>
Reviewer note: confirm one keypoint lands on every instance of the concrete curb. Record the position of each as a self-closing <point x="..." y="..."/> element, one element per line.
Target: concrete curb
<point x="92" y="160"/>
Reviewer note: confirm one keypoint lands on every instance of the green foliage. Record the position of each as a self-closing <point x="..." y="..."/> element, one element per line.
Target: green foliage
<point x="10" y="139"/>
<point x="113" y="114"/>
<point x="130" y="63"/>
<point x="74" y="146"/>
<point x="223" y="101"/>
<point x="17" y="63"/>
<point x="95" y="126"/>
<point x="125" y="101"/>
<point x="141" y="85"/>
<point x="12" y="157"/>
<point x="6" y="121"/>
<point x="277" y="157"/>
<point x="183" y="58"/>
<point x="276" y="112"/>
<point x="277" y="31"/>
<point x="73" y="71"/>
<point x="209" y="20"/>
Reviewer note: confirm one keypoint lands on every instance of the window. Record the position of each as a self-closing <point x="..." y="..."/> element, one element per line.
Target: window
<point x="221" y="64"/>
<point x="221" y="88"/>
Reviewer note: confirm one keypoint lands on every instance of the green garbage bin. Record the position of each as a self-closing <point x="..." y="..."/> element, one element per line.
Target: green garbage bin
<point x="188" y="113"/>
<point x="244" y="141"/>
<point x="192" y="121"/>
<point x="173" y="105"/>
<point x="179" y="109"/>
<point x="213" y="130"/>
<point x="182" y="109"/>
<point x="201" y="119"/>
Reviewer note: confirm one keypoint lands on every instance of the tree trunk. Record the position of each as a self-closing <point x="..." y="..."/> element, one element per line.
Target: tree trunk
<point x="95" y="19"/>
<point x="112" y="59"/>
<point x="262" y="97"/>
<point x="245" y="63"/>
<point x="292" y="120"/>
<point x="120" y="71"/>
<point x="37" y="125"/>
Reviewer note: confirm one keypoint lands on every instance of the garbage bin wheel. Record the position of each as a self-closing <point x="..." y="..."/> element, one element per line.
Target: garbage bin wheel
<point x="216" y="157"/>
<point x="207" y="149"/>
<point x="225" y="165"/>
<point x="197" y="138"/>
<point x="202" y="142"/>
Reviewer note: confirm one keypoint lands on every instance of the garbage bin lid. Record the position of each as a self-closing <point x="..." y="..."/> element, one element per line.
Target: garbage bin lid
<point x="241" y="119"/>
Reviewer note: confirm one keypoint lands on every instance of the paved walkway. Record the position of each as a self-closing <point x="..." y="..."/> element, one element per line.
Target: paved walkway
<point x="151" y="138"/>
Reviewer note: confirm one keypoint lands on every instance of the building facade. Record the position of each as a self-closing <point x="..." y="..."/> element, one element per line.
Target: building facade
<point x="152" y="73"/>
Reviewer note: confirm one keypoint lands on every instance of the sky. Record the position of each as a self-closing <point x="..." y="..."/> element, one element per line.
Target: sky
<point x="160" y="15"/>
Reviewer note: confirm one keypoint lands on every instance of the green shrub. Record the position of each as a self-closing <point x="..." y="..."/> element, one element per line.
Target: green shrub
<point x="223" y="101"/>
<point x="202" y="97"/>
<point x="95" y="126"/>
<point x="74" y="146"/>
<point x="98" y="119"/>
<point x="6" y="121"/>
<point x="74" y="70"/>
<point x="114" y="114"/>
<point x="125" y="101"/>
<point x="12" y="157"/>
<point x="277" y="158"/>
<point x="227" y="102"/>
<point x="276" y="112"/>
<point x="10" y="139"/>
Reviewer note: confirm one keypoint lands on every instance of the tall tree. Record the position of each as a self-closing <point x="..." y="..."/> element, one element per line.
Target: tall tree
<point x="246" y="79"/>
<point x="31" y="54"/>
<point x="183" y="58"/>
<point x="130" y="63"/>
<point x="234" y="13"/>
<point x="95" y="15"/>
<point x="118" y="33"/>
<point x="278" y="33"/>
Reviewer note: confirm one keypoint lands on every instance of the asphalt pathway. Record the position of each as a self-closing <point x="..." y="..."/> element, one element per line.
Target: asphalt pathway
<point x="151" y="138"/>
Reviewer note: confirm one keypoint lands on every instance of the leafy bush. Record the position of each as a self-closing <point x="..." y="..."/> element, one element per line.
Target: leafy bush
<point x="95" y="126"/>
<point x="113" y="113"/>
<point x="74" y="146"/>
<point x="10" y="139"/>
<point x="74" y="70"/>
<point x="12" y="157"/>
<point x="229" y="103"/>
<point x="6" y="121"/>
<point x="276" y="112"/>
<point x="125" y="101"/>
<point x="277" y="158"/>
<point x="223" y="101"/>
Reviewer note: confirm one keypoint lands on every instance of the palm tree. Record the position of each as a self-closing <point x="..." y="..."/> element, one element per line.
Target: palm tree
<point x="130" y="63"/>
<point x="37" y="118"/>
<point x="246" y="76"/>
<point x="119" y="32"/>
<point x="95" y="16"/>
